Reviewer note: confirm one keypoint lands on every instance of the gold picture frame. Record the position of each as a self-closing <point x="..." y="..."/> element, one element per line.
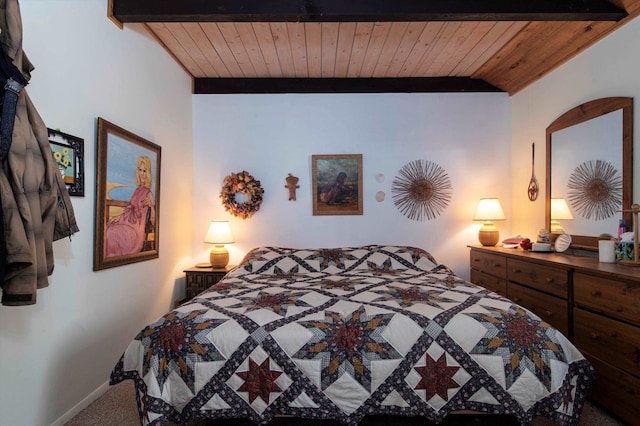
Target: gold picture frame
<point x="337" y="184"/>
<point x="127" y="198"/>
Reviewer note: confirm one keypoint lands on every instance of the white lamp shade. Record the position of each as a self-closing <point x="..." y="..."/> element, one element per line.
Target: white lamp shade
<point x="489" y="209"/>
<point x="219" y="233"/>
<point x="560" y="209"/>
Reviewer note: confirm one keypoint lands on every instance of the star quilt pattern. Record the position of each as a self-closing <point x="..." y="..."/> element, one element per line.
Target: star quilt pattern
<point x="342" y="333"/>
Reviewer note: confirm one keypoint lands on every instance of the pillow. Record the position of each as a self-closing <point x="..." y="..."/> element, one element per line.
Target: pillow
<point x="279" y="260"/>
<point x="399" y="257"/>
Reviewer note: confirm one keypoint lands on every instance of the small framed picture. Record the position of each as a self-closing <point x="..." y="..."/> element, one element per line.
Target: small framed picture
<point x="337" y="184"/>
<point x="127" y="198"/>
<point x="68" y="153"/>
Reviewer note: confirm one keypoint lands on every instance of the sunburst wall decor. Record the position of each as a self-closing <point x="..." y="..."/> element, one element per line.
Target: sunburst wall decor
<point x="595" y="190"/>
<point x="421" y="190"/>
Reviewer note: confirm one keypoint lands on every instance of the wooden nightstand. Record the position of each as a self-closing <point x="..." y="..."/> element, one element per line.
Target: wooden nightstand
<point x="200" y="279"/>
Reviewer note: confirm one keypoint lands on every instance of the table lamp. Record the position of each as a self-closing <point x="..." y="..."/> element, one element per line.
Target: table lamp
<point x="559" y="211"/>
<point x="489" y="209"/>
<point x="219" y="234"/>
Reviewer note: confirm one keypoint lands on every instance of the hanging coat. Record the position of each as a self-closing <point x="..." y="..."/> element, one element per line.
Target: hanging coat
<point x="36" y="206"/>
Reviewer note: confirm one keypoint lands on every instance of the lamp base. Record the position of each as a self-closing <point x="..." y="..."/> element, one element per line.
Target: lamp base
<point x="556" y="228"/>
<point x="489" y="234"/>
<point x="218" y="256"/>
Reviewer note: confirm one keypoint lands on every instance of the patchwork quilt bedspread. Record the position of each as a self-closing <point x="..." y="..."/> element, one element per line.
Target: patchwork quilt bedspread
<point x="348" y="332"/>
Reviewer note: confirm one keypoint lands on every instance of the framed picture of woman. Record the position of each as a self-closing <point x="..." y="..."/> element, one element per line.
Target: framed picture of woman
<point x="337" y="184"/>
<point x="127" y="198"/>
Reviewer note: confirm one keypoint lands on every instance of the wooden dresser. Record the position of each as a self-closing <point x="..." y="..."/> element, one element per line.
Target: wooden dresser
<point x="596" y="305"/>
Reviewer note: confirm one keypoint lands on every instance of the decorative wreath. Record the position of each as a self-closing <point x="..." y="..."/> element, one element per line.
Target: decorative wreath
<point x="243" y="183"/>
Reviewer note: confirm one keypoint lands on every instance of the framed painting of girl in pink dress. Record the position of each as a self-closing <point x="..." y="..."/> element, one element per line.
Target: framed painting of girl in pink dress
<point x="127" y="198"/>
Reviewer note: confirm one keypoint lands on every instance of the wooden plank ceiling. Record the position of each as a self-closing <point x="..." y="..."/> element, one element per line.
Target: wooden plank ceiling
<point x="275" y="46"/>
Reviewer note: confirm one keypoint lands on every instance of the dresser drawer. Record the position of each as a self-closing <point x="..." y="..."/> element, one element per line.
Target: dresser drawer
<point x="616" y="298"/>
<point x="550" y="309"/>
<point x="616" y="342"/>
<point x="489" y="263"/>
<point x="490" y="282"/>
<point x="616" y="390"/>
<point x="545" y="278"/>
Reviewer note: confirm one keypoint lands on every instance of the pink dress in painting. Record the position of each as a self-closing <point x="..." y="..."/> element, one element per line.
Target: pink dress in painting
<point x="126" y="235"/>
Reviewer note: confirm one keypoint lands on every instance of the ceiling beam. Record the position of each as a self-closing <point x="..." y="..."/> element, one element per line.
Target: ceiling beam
<point x="136" y="11"/>
<point x="210" y="86"/>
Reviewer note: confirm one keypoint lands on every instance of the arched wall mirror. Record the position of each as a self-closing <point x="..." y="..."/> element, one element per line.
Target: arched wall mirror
<point x="590" y="166"/>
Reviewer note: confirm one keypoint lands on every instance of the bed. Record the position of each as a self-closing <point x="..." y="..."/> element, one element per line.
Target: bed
<point x="345" y="333"/>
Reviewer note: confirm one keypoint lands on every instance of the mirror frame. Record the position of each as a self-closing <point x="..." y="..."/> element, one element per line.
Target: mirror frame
<point x="582" y="113"/>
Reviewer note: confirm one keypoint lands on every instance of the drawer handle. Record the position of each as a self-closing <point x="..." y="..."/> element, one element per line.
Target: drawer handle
<point x="516" y="270"/>
<point x="549" y="313"/>
<point x="613" y="334"/>
<point x="595" y="336"/>
<point x="517" y="299"/>
<point x="476" y="260"/>
<point x="619" y="309"/>
<point x="549" y="279"/>
<point x="595" y="293"/>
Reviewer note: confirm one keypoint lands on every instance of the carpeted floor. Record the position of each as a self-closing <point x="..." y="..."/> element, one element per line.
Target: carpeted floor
<point x="117" y="407"/>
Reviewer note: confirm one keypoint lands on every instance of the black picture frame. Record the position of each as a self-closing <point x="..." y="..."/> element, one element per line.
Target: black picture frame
<point x="68" y="153"/>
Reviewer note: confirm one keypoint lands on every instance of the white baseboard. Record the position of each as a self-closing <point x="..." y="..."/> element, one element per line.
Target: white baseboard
<point x="102" y="389"/>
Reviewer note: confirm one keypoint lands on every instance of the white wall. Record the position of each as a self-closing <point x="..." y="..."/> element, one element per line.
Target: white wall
<point x="608" y="68"/>
<point x="273" y="135"/>
<point x="57" y="352"/>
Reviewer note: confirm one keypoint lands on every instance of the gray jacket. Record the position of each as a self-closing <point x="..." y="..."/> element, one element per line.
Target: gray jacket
<point x="36" y="206"/>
